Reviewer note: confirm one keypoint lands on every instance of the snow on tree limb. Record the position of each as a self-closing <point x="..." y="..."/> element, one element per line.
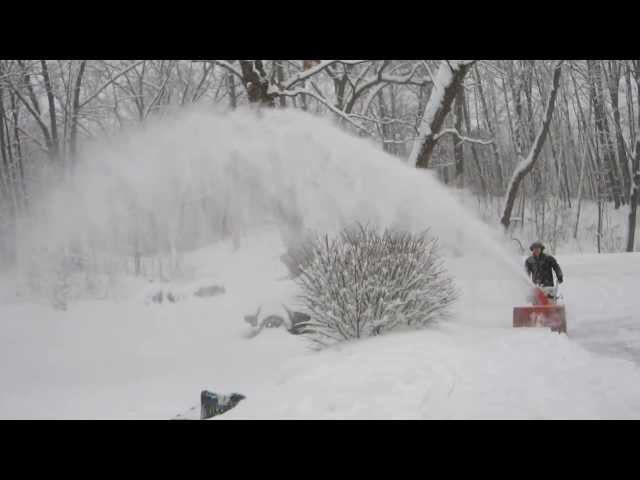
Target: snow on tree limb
<point x="322" y="100"/>
<point x="381" y="80"/>
<point x="526" y="164"/>
<point x="462" y="138"/>
<point x="447" y="80"/>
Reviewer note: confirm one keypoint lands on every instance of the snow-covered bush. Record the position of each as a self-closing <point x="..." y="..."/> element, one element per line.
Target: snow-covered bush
<point x="362" y="283"/>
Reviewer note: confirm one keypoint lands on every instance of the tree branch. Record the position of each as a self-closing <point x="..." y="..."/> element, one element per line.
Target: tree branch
<point x="300" y="77"/>
<point x="35" y="114"/>
<point x="381" y="78"/>
<point x="453" y="131"/>
<point x="229" y="67"/>
<point x="323" y="101"/>
<point x="526" y="164"/>
<point x="110" y="81"/>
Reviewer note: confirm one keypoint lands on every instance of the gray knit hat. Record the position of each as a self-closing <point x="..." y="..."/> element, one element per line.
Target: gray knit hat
<point x="536" y="244"/>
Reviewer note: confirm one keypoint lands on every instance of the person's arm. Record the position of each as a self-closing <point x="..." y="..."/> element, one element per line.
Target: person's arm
<point x="527" y="267"/>
<point x="557" y="269"/>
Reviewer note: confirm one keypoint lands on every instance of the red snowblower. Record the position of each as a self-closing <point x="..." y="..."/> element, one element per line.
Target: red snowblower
<point x="545" y="312"/>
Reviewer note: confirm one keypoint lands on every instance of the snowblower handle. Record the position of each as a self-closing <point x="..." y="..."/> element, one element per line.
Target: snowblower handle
<point x="541" y="296"/>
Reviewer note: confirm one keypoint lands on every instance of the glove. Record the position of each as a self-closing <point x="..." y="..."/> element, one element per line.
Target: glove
<point x="560" y="280"/>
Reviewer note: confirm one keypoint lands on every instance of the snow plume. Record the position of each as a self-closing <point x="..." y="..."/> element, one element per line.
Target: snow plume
<point x="183" y="181"/>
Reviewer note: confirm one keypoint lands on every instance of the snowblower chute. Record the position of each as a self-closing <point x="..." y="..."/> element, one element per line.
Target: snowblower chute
<point x="543" y="313"/>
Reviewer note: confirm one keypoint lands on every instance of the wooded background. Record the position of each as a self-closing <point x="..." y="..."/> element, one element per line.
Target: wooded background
<point x="533" y="141"/>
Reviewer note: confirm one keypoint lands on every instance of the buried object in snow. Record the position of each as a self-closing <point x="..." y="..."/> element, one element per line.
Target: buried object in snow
<point x="543" y="313"/>
<point x="211" y="405"/>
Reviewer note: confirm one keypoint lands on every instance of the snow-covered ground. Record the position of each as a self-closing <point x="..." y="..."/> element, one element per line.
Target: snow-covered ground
<point x="602" y="295"/>
<point x="134" y="359"/>
<point x="127" y="357"/>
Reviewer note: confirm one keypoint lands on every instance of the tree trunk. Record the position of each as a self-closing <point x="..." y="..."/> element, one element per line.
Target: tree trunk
<point x="515" y="83"/>
<point x="474" y="152"/>
<point x="7" y="186"/>
<point x="633" y="202"/>
<point x="492" y="132"/>
<point x="384" y="127"/>
<point x="233" y="101"/>
<point x="73" y="139"/>
<point x="602" y="129"/>
<point x="15" y="107"/>
<point x="579" y="200"/>
<point x="458" y="147"/>
<point x="55" y="143"/>
<point x="280" y="71"/>
<point x="527" y="164"/>
<point x="599" y="231"/>
<point x="593" y="164"/>
<point x="256" y="82"/>
<point x="630" y="114"/>
<point x="614" y="83"/>
<point x="446" y="84"/>
<point x="572" y="145"/>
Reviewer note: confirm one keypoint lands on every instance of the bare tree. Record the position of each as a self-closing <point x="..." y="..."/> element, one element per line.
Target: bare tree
<point x="634" y="198"/>
<point x="527" y="164"/>
<point x="602" y="129"/>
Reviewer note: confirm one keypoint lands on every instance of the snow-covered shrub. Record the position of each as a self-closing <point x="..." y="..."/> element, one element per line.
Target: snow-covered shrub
<point x="362" y="283"/>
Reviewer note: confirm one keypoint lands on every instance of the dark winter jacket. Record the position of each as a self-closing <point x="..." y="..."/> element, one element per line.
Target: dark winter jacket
<point x="539" y="269"/>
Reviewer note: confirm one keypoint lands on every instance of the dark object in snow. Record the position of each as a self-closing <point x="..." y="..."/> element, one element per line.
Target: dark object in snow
<point x="296" y="325"/>
<point x="209" y="291"/>
<point x="213" y="404"/>
<point x="158" y="297"/>
<point x="272" y="321"/>
<point x="297" y="321"/>
<point x="161" y="295"/>
<point x="253" y="319"/>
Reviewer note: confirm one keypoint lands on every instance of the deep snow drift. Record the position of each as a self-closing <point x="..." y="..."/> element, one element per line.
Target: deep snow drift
<point x="131" y="359"/>
<point x="171" y="185"/>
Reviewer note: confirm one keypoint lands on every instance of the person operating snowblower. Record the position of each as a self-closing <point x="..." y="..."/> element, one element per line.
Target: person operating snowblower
<point x="540" y="268"/>
<point x="545" y="310"/>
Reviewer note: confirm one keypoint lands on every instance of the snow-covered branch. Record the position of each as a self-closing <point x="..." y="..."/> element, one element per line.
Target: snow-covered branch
<point x="446" y="82"/>
<point x="462" y="138"/>
<point x="382" y="79"/>
<point x="383" y="120"/>
<point x="322" y="100"/>
<point x="302" y="76"/>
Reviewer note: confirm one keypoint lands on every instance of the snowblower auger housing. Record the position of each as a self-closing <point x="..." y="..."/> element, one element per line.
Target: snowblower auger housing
<point x="544" y="313"/>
